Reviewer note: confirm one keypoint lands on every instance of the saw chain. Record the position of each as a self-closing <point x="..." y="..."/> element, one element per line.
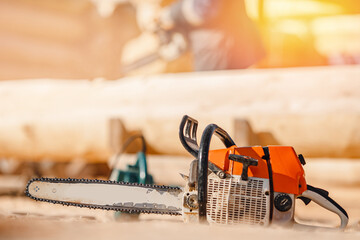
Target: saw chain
<point x="126" y="209"/>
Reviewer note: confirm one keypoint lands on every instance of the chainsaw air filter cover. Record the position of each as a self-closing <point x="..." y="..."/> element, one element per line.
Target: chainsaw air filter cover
<point x="232" y="200"/>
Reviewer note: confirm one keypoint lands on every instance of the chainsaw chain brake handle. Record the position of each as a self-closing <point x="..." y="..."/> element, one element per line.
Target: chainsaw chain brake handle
<point x="187" y="135"/>
<point x="321" y="197"/>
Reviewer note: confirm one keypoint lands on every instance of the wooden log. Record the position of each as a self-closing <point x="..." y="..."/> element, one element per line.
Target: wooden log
<point x="316" y="110"/>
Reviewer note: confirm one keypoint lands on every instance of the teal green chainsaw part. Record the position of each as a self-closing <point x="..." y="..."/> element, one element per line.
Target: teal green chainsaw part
<point x="136" y="173"/>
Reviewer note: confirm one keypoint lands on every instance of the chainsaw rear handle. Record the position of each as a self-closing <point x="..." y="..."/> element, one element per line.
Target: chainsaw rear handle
<point x="203" y="158"/>
<point x="321" y="197"/>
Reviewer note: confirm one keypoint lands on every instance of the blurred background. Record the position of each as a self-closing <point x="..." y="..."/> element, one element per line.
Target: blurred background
<point x="86" y="39"/>
<point x="78" y="78"/>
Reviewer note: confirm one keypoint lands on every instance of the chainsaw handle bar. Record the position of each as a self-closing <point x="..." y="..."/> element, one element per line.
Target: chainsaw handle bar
<point x="203" y="158"/>
<point x="321" y="197"/>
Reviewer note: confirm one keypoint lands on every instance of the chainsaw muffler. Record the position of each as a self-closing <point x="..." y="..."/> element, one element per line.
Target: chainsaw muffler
<point x="252" y="185"/>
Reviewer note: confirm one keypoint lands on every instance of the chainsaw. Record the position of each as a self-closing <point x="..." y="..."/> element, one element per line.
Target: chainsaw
<point x="235" y="185"/>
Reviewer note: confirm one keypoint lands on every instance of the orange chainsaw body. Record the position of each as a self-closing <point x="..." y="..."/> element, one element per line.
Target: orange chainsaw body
<point x="288" y="174"/>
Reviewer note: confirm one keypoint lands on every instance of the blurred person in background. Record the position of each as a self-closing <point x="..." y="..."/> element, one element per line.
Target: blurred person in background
<point x="219" y="32"/>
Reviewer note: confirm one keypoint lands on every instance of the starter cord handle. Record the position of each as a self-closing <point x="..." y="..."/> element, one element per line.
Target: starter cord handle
<point x="320" y="197"/>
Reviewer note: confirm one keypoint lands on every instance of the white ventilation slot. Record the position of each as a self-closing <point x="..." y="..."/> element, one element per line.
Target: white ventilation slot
<point x="233" y="201"/>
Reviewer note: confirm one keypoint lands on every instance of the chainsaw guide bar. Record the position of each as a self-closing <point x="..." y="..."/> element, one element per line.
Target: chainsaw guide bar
<point x="55" y="184"/>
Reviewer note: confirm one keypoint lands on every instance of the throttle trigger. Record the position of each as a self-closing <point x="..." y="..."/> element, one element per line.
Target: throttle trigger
<point x="305" y="200"/>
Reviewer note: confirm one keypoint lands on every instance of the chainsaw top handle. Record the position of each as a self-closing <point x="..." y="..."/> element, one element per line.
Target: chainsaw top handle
<point x="203" y="164"/>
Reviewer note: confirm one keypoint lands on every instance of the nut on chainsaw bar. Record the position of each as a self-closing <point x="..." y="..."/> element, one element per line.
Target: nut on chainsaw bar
<point x="191" y="201"/>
